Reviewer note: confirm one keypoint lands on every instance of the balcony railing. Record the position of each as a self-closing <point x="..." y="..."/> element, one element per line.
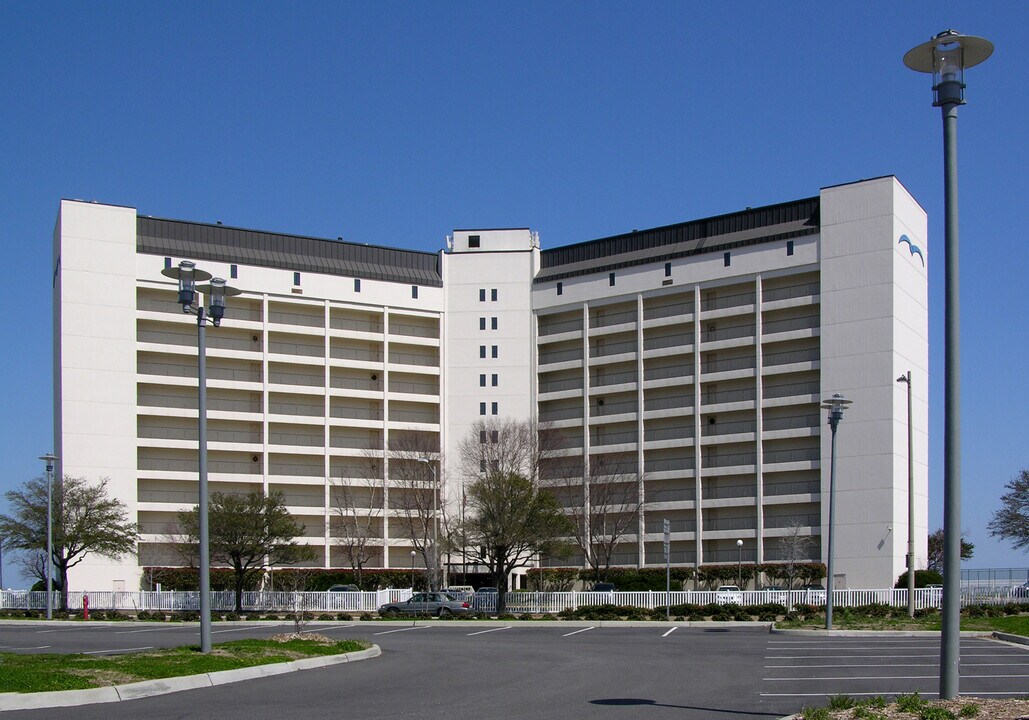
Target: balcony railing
<point x="788" y="293"/>
<point x="806" y="487"/>
<point x="667" y="402"/>
<point x="656" y="526"/>
<point x="302" y="319"/>
<point x="654" y="312"/>
<point x="279" y="407"/>
<point x="285" y="378"/>
<point x="722" y="492"/>
<point x="605" y="349"/>
<point x="356" y="413"/>
<point x="809" y="520"/>
<point x="560" y="326"/>
<point x="728" y="428"/>
<point x="548" y="386"/>
<point x="790" y="389"/>
<point x="668" y="371"/>
<point x="412" y="330"/>
<point x="791" y="423"/>
<point x="794" y="356"/>
<point x="671" y="495"/>
<point x="728" y="460"/>
<point x="727" y="301"/>
<point x="666" y="341"/>
<point x="600" y="380"/>
<point x="741" y="523"/>
<point x="616" y="408"/>
<point x="668" y="464"/>
<point x="407" y="358"/>
<point x="728" y="396"/>
<point x="802" y="323"/>
<point x="608" y="319"/>
<point x="617" y="438"/>
<point x="680" y="432"/>
<point x="352" y="353"/>
<point x="741" y="363"/>
<point x="557" y="356"/>
<point x="355" y="324"/>
<point x="299" y="349"/>
<point x="728" y="333"/>
<point x="554" y="414"/>
<point x="798" y="455"/>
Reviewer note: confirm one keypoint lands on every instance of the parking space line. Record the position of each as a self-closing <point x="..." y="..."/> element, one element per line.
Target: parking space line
<point x="670" y="631"/>
<point x="156" y="629"/>
<point x="333" y="627"/>
<point x="403" y="629"/>
<point x="39" y="647"/>
<point x="888" y="693"/>
<point x="116" y="650"/>
<point x="838" y="657"/>
<point x="483" y="632"/>
<point x="576" y="632"/>
<point x="859" y="677"/>
<point x="799" y="667"/>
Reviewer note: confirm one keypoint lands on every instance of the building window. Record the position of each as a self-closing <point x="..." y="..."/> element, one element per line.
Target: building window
<point x="494" y="379"/>
<point x="482" y="352"/>
<point x="494" y="437"/>
<point x="789" y="247"/>
<point x="482" y="437"/>
<point x="482" y="408"/>
<point x="482" y="465"/>
<point x="727" y="259"/>
<point x="493" y="352"/>
<point x="493" y="295"/>
<point x="414" y="292"/>
<point x="493" y="408"/>
<point x="473" y="241"/>
<point x="167" y="262"/>
<point x="357" y="284"/>
<point x="482" y="323"/>
<point x="233" y="271"/>
<point x="296" y="278"/>
<point x="493" y="323"/>
<point x="668" y="269"/>
<point x="482" y="380"/>
<point x="560" y="288"/>
<point x="482" y="295"/>
<point x="611" y="279"/>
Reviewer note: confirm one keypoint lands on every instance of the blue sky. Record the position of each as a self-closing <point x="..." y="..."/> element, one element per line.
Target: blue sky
<point x="392" y="123"/>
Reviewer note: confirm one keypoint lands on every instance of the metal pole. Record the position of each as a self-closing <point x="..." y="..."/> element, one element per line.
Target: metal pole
<point x="436" y="574"/>
<point x="205" y="541"/>
<point x="911" y="506"/>
<point x="49" y="540"/>
<point x="832" y="532"/>
<point x="950" y="637"/>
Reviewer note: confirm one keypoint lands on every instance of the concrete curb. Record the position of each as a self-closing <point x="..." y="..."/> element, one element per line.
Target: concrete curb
<point x="1008" y="637"/>
<point x="149" y="688"/>
<point x="870" y="633"/>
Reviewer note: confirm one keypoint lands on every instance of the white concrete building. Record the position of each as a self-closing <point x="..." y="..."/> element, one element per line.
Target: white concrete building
<point x="697" y="353"/>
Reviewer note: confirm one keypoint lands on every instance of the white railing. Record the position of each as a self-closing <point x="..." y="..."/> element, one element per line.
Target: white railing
<point x="517" y="602"/>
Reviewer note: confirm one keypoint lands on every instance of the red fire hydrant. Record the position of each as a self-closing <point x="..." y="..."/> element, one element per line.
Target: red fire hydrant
<point x="85" y="607"/>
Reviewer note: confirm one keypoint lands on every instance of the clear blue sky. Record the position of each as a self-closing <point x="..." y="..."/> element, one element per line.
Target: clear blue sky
<point x="392" y="123"/>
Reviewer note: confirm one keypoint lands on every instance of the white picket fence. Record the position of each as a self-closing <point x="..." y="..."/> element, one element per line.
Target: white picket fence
<point x="517" y="602"/>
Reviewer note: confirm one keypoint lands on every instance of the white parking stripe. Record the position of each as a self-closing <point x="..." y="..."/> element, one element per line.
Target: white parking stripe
<point x="924" y="693"/>
<point x="117" y="650"/>
<point x="156" y="629"/>
<point x="856" y="677"/>
<point x="333" y="627"/>
<point x="670" y="631"/>
<point x="38" y="647"/>
<point x="403" y="629"/>
<point x="482" y="632"/>
<point x="801" y="667"/>
<point x="576" y="632"/>
<point x="249" y="627"/>
<point x="838" y="656"/>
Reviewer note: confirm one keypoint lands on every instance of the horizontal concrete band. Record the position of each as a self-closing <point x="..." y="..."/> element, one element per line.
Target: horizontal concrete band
<point x="149" y="688"/>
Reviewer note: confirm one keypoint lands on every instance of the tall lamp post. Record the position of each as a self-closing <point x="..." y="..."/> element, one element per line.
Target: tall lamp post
<point x="739" y="562"/>
<point x="906" y="379"/>
<point x="946" y="56"/>
<point x="49" y="460"/>
<point x="835" y="405"/>
<point x="187" y="274"/>
<point x="435" y="529"/>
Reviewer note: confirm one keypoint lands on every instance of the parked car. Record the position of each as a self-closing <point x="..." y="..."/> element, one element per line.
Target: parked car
<point x="604" y="587"/>
<point x="729" y="595"/>
<point x="459" y="590"/>
<point x="775" y="594"/>
<point x="1022" y="591"/>
<point x="427" y="603"/>
<point x="344" y="588"/>
<point x="485" y="599"/>
<point x="814" y="594"/>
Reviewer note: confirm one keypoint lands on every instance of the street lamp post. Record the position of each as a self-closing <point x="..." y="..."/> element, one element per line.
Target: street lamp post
<point x="49" y="460"/>
<point x="739" y="562"/>
<point x="187" y="274"/>
<point x="835" y="405"/>
<point x="435" y="529"/>
<point x="946" y="56"/>
<point x="906" y="379"/>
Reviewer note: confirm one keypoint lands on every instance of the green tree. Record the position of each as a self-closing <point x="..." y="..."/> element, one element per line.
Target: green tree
<point x="247" y="532"/>
<point x="1011" y="522"/>
<point x="85" y="521"/>
<point x="935" y="561"/>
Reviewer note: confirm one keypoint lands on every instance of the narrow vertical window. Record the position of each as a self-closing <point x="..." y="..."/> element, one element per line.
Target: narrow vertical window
<point x="482" y="437"/>
<point x="482" y="380"/>
<point x="482" y="408"/>
<point x="493" y="408"/>
<point x="493" y="323"/>
<point x="727" y="259"/>
<point x="482" y="295"/>
<point x="494" y="379"/>
<point x="493" y="295"/>
<point x="482" y="351"/>
<point x="560" y="288"/>
<point x="357" y="284"/>
<point x="233" y="271"/>
<point x="296" y="278"/>
<point x="611" y="279"/>
<point x="668" y="269"/>
<point x="493" y="351"/>
<point x="167" y="262"/>
<point x="494" y="437"/>
<point x="414" y="292"/>
<point x="789" y="247"/>
<point x="482" y="323"/>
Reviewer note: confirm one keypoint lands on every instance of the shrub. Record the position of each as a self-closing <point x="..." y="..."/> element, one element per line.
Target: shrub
<point x="926" y="612"/>
<point x="969" y="710"/>
<point x="187" y="616"/>
<point x="863" y="713"/>
<point x="922" y="578"/>
<point x="876" y="610"/>
<point x="506" y="616"/>
<point x="935" y="713"/>
<point x="367" y="616"/>
<point x="325" y="617"/>
<point x="840" y="702"/>
<point x="815" y="713"/>
<point x="912" y="703"/>
<point x="526" y="616"/>
<point x="232" y="616"/>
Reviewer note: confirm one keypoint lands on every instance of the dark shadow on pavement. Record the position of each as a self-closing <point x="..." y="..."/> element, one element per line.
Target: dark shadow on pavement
<point x="646" y="701"/>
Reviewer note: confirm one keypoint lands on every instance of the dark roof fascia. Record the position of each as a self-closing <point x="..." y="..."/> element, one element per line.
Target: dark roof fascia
<point x="222" y="243"/>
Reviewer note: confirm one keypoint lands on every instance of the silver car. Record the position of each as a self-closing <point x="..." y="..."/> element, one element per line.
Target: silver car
<point x="427" y="603"/>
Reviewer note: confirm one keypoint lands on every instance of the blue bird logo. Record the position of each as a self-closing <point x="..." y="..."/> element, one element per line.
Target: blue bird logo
<point x="912" y="248"/>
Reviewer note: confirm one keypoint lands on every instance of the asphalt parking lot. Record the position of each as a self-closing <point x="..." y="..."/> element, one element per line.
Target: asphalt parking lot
<point x="554" y="670"/>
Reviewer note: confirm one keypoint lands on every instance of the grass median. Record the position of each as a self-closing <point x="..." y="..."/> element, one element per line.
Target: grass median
<point x="44" y="673"/>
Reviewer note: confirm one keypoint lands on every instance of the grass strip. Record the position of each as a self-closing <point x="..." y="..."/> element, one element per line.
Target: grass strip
<point x="47" y="672"/>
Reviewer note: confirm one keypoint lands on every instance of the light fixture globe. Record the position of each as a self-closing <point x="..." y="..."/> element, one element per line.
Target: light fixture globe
<point x="946" y="56"/>
<point x="188" y="276"/>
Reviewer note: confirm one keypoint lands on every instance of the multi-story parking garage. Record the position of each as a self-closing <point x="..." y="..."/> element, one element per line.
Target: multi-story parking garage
<point x="691" y="358"/>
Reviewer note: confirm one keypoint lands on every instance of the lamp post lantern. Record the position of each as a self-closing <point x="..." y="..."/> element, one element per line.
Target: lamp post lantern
<point x="946" y="56"/>
<point x="188" y="275"/>
<point x="910" y="560"/>
<point x="49" y="459"/>
<point x="435" y="528"/>
<point x="835" y="405"/>
<point x="739" y="562"/>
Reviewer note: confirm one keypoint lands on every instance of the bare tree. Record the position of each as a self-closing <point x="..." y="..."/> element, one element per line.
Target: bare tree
<point x="793" y="552"/>
<point x="354" y="525"/>
<point x="416" y="487"/>
<point x="605" y="510"/>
